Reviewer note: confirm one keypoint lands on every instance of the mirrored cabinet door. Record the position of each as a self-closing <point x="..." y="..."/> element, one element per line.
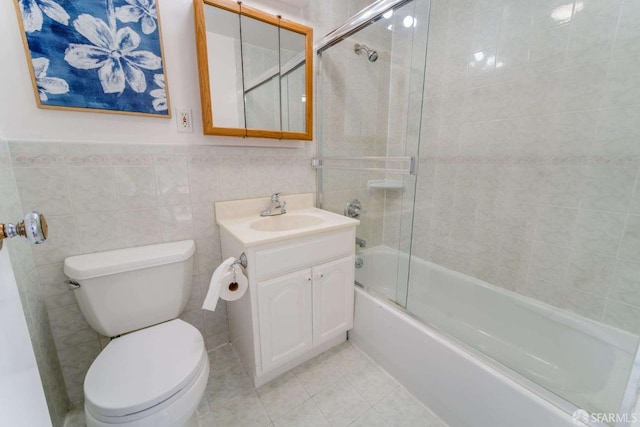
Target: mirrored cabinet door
<point x="261" y="71"/>
<point x="224" y="49"/>
<point x="293" y="88"/>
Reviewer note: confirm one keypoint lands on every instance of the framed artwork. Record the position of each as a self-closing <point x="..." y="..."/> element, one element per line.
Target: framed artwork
<point x="97" y="55"/>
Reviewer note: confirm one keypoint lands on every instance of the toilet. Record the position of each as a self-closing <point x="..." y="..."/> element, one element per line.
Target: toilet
<point x="154" y="371"/>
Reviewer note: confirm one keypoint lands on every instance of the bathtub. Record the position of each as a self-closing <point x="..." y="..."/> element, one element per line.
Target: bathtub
<point x="460" y="347"/>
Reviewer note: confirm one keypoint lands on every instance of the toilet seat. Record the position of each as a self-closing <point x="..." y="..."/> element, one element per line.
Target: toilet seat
<point x="143" y="372"/>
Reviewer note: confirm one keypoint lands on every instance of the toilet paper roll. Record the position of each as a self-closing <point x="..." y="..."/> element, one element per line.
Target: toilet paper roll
<point x="215" y="285"/>
<point x="223" y="286"/>
<point x="234" y="289"/>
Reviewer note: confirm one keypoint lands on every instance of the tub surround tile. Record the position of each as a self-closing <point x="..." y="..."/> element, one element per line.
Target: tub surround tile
<point x="623" y="316"/>
<point x="609" y="188"/>
<point x="630" y="245"/>
<point x="549" y="262"/>
<point x="556" y="225"/>
<point x="590" y="272"/>
<point x="625" y="286"/>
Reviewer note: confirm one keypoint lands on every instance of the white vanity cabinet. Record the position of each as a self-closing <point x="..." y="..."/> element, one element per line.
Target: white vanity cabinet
<point x="305" y="309"/>
<point x="300" y="267"/>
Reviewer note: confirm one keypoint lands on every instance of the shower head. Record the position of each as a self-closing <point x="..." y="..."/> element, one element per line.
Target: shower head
<point x="372" y="55"/>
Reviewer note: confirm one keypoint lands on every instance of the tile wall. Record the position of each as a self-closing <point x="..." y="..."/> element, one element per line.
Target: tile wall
<point x="99" y="197"/>
<point x="30" y="289"/>
<point x="529" y="151"/>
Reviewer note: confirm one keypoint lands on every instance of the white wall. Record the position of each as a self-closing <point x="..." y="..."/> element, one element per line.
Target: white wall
<point x="22" y="120"/>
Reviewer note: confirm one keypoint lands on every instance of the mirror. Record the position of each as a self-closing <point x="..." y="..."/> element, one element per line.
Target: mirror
<point x="255" y="72"/>
<point x="292" y="81"/>
<point x="225" y="85"/>
<point x="261" y="70"/>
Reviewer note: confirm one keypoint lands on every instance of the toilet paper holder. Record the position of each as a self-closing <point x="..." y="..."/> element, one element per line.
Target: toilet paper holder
<point x="241" y="260"/>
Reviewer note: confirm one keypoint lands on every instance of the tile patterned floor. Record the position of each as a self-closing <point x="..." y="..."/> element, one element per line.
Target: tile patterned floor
<point x="341" y="387"/>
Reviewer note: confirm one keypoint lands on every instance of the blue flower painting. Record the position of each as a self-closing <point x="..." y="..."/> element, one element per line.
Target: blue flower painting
<point x="98" y="55"/>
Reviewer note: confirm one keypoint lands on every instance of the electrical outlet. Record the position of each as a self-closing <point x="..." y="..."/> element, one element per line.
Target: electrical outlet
<point x="184" y="120"/>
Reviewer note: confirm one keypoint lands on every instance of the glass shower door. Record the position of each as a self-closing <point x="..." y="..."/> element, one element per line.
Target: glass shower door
<point x="370" y="98"/>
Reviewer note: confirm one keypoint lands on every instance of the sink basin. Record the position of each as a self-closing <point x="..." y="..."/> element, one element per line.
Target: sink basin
<point x="285" y="222"/>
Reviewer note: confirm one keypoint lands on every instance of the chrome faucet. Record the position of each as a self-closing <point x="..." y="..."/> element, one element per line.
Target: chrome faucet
<point x="361" y="243"/>
<point x="276" y="207"/>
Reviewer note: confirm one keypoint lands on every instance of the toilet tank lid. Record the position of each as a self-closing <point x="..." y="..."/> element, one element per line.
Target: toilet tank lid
<point x="82" y="267"/>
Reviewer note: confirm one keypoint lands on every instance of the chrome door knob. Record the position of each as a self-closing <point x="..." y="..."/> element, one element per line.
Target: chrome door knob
<point x="36" y="228"/>
<point x="33" y="227"/>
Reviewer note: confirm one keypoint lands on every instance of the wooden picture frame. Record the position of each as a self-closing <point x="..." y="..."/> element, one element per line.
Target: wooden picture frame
<point x="97" y="56"/>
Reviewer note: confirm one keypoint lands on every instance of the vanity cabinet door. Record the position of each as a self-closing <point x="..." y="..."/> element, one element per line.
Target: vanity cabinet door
<point x="333" y="294"/>
<point x="284" y="306"/>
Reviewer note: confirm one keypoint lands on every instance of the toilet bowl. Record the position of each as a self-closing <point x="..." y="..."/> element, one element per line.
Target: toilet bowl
<point x="154" y="371"/>
<point x="154" y="377"/>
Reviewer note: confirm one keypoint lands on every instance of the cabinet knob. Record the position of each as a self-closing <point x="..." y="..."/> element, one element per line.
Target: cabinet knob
<point x="321" y="275"/>
<point x="308" y="279"/>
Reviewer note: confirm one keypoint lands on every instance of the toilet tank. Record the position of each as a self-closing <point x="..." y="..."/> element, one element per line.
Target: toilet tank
<point x="128" y="289"/>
